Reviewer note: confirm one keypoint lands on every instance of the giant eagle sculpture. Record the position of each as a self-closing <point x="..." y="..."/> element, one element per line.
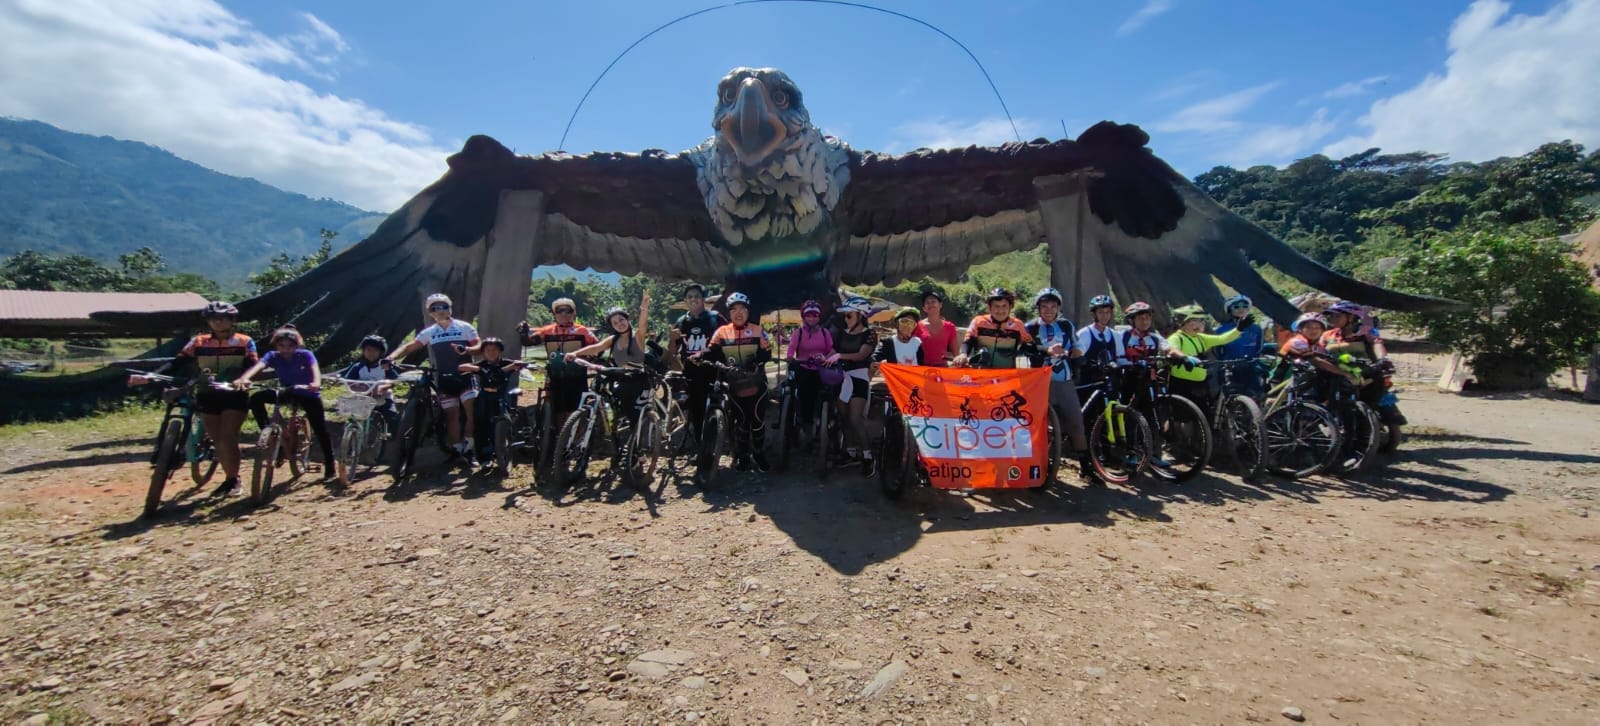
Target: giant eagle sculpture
<point x="771" y="206"/>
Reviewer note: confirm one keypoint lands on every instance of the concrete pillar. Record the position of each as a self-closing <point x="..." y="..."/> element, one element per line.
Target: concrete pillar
<point x="1077" y="266"/>
<point x="1591" y="390"/>
<point x="508" y="267"/>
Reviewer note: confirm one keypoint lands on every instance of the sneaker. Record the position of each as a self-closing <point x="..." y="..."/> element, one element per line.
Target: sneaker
<point x="760" y="460"/>
<point x="228" y="488"/>
<point x="869" y="466"/>
<point x="1161" y="462"/>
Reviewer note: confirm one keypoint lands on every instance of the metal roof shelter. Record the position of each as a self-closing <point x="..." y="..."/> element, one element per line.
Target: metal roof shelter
<point x="50" y="314"/>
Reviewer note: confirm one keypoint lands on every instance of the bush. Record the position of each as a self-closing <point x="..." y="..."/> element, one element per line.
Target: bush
<point x="1529" y="308"/>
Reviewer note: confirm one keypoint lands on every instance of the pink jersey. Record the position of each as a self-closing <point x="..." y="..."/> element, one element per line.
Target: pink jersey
<point x="804" y="345"/>
<point x="935" y="344"/>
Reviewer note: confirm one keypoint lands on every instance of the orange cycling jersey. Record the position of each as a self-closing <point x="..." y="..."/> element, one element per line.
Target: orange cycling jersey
<point x="559" y="340"/>
<point x="1004" y="338"/>
<point x="739" y="345"/>
<point x="1297" y="346"/>
<point x="226" y="357"/>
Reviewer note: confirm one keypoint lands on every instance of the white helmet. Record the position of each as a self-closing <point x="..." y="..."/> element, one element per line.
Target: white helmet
<point x="435" y="298"/>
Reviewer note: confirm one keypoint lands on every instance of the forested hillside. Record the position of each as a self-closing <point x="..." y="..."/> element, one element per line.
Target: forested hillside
<point x="67" y="193"/>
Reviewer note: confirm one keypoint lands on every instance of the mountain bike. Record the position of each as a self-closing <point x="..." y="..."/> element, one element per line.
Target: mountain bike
<point x="283" y="438"/>
<point x="575" y="443"/>
<point x="366" y="430"/>
<point x="1236" y="421"/>
<point x="181" y="437"/>
<point x="1119" y="436"/>
<point x="1300" y="436"/>
<point x="662" y="428"/>
<point x="1181" y="447"/>
<point x="516" y="428"/>
<point x="420" y="418"/>
<point x="726" y="433"/>
<point x="1360" y="431"/>
<point x="815" y="434"/>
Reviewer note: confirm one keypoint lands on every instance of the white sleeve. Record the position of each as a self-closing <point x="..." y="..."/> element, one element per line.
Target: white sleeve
<point x="426" y="336"/>
<point x="472" y="333"/>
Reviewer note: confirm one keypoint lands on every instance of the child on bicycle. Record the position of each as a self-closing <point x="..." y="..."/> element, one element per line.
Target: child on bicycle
<point x="1350" y="332"/>
<point x="371" y="366"/>
<point x="1061" y="343"/>
<point x="1098" y="339"/>
<point x="448" y="342"/>
<point x="296" y="368"/>
<point x="495" y="376"/>
<point x="1306" y="345"/>
<point x="904" y="347"/>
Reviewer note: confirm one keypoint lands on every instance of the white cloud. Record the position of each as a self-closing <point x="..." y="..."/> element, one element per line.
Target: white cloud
<point x="1150" y="10"/>
<point x="1216" y="114"/>
<point x="1510" y="83"/>
<point x="1352" y="89"/>
<point x="942" y="133"/>
<point x="191" y="77"/>
<point x="1278" y="144"/>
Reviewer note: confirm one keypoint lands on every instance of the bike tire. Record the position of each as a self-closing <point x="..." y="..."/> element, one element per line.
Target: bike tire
<point x="897" y="459"/>
<point x="266" y="458"/>
<point x="350" y="444"/>
<point x="644" y="451"/>
<point x="545" y="450"/>
<point x="1362" y="436"/>
<point x="1183" y="436"/>
<point x="204" y="467"/>
<point x="168" y="454"/>
<point x="502" y="444"/>
<point x="1298" y="426"/>
<point x="1392" y="436"/>
<point x="713" y="444"/>
<point x="1119" y="451"/>
<point x="1241" y="438"/>
<point x="787" y="435"/>
<point x="413" y="424"/>
<point x="300" y="454"/>
<point x="1053" y="465"/>
<point x="572" y="455"/>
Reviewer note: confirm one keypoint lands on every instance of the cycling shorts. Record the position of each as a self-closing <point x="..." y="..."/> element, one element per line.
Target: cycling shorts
<point x="454" y="389"/>
<point x="215" y="402"/>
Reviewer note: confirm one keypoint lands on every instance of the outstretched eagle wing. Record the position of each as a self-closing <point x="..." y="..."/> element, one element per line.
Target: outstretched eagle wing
<point x="1148" y="234"/>
<point x="625" y="213"/>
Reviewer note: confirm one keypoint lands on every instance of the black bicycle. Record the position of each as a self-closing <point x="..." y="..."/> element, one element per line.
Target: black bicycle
<point x="180" y="437"/>
<point x="1360" y="430"/>
<point x="726" y="434"/>
<point x="1181" y="447"/>
<point x="592" y="419"/>
<point x="1236" y="420"/>
<point x="796" y="435"/>
<point x="1119" y="436"/>
<point x="420" y="418"/>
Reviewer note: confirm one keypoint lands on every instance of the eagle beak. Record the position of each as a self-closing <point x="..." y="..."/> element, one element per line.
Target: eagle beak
<point x="752" y="126"/>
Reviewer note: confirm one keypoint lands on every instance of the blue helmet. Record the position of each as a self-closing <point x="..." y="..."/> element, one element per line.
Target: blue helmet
<point x="1048" y="293"/>
<point x="1237" y="300"/>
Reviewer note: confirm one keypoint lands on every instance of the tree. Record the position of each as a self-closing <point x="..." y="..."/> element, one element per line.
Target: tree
<point x="284" y="268"/>
<point x="1529" y="309"/>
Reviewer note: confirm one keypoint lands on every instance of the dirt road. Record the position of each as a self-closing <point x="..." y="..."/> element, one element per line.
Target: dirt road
<point x="1461" y="584"/>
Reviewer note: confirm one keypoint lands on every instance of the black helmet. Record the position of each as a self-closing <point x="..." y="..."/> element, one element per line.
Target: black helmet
<point x="218" y="308"/>
<point x="375" y="341"/>
<point x="496" y="342"/>
<point x="933" y="293"/>
<point x="1001" y="293"/>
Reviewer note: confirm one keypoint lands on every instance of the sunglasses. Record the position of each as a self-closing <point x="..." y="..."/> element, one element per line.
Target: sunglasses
<point x="438" y="308"/>
<point x="565" y="311"/>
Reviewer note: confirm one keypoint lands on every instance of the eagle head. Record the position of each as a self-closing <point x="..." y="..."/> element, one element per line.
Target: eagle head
<point x="767" y="173"/>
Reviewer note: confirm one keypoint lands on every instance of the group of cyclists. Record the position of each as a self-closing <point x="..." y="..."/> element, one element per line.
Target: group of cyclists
<point x="830" y="363"/>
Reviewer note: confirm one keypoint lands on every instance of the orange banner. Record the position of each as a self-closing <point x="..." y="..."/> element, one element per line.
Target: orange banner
<point x="976" y="428"/>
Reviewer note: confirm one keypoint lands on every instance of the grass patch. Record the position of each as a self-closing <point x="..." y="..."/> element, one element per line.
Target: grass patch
<point x="1556" y="585"/>
<point x="121" y="423"/>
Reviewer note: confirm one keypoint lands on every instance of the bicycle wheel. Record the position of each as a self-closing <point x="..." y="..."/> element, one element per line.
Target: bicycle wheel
<point x="644" y="450"/>
<point x="266" y="457"/>
<point x="1053" y="464"/>
<point x="502" y="444"/>
<point x="350" y="448"/>
<point x="572" y="454"/>
<point x="1301" y="439"/>
<point x="168" y="453"/>
<point x="545" y="452"/>
<point x="298" y="438"/>
<point x="204" y="466"/>
<point x="1119" y="444"/>
<point x="413" y="425"/>
<point x="1392" y="437"/>
<point x="675" y="434"/>
<point x="1183" y="439"/>
<point x="1241" y="436"/>
<point x="1362" y="435"/>
<point x="713" y="445"/>
<point x="788" y="436"/>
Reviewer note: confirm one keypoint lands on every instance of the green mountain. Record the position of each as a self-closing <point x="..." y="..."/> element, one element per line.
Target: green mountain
<point x="68" y="193"/>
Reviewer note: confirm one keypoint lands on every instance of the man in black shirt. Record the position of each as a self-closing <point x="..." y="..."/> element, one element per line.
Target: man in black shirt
<point x="689" y="336"/>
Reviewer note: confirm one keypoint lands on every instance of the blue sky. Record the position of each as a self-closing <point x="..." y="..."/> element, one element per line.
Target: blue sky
<point x="361" y="100"/>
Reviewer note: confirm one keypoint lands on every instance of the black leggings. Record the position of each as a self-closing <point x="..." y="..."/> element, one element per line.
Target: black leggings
<point x="750" y="410"/>
<point x="808" y="391"/>
<point x="314" y="416"/>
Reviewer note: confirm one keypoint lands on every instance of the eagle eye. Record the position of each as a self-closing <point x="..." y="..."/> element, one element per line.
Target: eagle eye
<point x="727" y="93"/>
<point x="780" y="98"/>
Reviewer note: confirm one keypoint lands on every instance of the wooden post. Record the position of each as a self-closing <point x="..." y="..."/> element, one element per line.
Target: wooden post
<point x="1077" y="267"/>
<point x="508" y="268"/>
<point x="1591" y="390"/>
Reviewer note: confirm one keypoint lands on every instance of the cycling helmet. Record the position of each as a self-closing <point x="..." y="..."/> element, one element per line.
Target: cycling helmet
<point x="1000" y="293"/>
<point x="1309" y="318"/>
<point x="737" y="298"/>
<point x="810" y="307"/>
<point x="563" y="302"/>
<point x="1187" y="313"/>
<point x="437" y="297"/>
<point x="615" y="310"/>
<point x="1348" y="308"/>
<point x="935" y="294"/>
<point x="219" y="309"/>
<point x="908" y="312"/>
<point x="1135" y="309"/>
<point x="496" y="342"/>
<point x="857" y="304"/>
<point x="375" y="341"/>
<point x="1237" y="300"/>
<point x="1048" y="293"/>
<point x="1101" y="301"/>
